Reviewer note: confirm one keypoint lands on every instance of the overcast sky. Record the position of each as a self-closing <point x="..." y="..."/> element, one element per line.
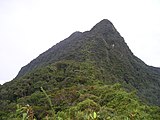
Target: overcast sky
<point x="30" y="27"/>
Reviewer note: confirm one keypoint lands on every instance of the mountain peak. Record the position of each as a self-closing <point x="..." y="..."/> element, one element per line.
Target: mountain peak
<point x="91" y="60"/>
<point x="104" y="26"/>
<point x="75" y="34"/>
<point x="105" y="21"/>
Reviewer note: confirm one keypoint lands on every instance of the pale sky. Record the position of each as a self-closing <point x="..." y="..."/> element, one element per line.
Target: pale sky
<point x="30" y="27"/>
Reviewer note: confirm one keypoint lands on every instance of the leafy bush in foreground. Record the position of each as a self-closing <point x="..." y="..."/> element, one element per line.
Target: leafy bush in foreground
<point x="101" y="102"/>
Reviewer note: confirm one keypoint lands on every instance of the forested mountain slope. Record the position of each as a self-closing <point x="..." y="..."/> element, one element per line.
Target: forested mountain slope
<point x="104" y="46"/>
<point x="93" y="71"/>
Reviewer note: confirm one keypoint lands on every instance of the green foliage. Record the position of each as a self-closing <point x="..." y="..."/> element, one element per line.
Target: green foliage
<point x="50" y="102"/>
<point x="88" y="105"/>
<point x="24" y="113"/>
<point x="113" y="103"/>
<point x="73" y="90"/>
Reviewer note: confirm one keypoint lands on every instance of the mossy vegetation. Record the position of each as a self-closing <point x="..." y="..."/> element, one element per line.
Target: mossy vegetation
<point x="73" y="90"/>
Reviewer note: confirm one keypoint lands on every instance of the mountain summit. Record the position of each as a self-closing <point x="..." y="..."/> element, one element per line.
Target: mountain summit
<point x="101" y="30"/>
<point x="104" y="26"/>
<point x="104" y="46"/>
<point x="83" y="69"/>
